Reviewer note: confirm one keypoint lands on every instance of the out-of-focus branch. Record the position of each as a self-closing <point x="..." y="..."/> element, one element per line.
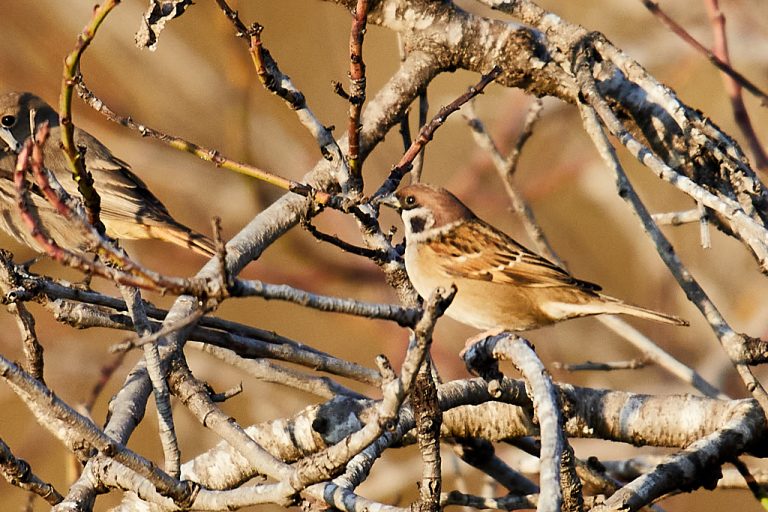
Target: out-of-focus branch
<point x="716" y="60"/>
<point x="733" y="86"/>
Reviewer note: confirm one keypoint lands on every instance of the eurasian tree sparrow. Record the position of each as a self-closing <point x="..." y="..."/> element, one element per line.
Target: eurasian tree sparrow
<point x="501" y="284"/>
<point x="128" y="209"/>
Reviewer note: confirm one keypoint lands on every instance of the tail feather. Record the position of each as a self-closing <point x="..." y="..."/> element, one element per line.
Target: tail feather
<point x="616" y="306"/>
<point x="184" y="237"/>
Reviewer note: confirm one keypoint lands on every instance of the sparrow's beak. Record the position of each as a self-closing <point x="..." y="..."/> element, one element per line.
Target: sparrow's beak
<point x="10" y="140"/>
<point x="392" y="201"/>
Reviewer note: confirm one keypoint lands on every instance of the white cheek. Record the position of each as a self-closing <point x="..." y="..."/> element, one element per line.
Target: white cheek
<point x="415" y="217"/>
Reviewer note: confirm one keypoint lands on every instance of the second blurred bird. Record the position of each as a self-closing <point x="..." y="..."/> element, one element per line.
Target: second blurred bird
<point x="129" y="210"/>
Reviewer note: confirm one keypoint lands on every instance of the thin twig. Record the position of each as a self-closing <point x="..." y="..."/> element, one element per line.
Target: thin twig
<point x="265" y="371"/>
<point x="719" y="63"/>
<point x="733" y="87"/>
<point x="376" y="255"/>
<point x="221" y="253"/>
<point x="75" y="156"/>
<point x="609" y="366"/>
<point x="531" y="118"/>
<point x="426" y="134"/>
<point x="105" y="374"/>
<point x="406" y="317"/>
<point x="280" y="84"/>
<point x="142" y="339"/>
<point x="758" y="491"/>
<point x="356" y="89"/>
<point x="418" y="162"/>
<point x="18" y="472"/>
<point x="734" y="343"/>
<point x="207" y="154"/>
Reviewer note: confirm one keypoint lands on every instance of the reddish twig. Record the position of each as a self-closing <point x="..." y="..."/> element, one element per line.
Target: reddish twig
<point x="105" y="373"/>
<point x="356" y="87"/>
<point x="758" y="491"/>
<point x="723" y="66"/>
<point x="733" y="87"/>
<point x="428" y="131"/>
<point x="130" y="273"/>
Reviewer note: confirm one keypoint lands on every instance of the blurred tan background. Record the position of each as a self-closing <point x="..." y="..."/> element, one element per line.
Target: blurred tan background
<point x="200" y="85"/>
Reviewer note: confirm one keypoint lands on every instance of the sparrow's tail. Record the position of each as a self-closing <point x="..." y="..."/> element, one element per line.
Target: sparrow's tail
<point x="616" y="306"/>
<point x="184" y="237"/>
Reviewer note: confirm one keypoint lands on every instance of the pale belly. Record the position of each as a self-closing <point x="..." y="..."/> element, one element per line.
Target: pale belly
<point x="472" y="305"/>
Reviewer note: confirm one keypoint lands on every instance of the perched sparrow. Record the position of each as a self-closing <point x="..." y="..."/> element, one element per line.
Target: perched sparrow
<point x="128" y="209"/>
<point x="501" y="284"/>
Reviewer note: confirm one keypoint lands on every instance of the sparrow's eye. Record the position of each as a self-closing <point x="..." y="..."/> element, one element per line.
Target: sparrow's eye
<point x="409" y="201"/>
<point x="8" y="121"/>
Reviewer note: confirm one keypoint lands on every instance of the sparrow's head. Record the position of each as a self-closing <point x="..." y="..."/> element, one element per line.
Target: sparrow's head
<point x="19" y="113"/>
<point x="428" y="210"/>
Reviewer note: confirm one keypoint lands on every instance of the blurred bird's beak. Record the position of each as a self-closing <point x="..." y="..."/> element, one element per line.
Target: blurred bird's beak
<point x="10" y="140"/>
<point x="392" y="201"/>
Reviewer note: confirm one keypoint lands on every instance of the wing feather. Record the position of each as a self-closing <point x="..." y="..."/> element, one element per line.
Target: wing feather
<point x="124" y="196"/>
<point x="476" y="250"/>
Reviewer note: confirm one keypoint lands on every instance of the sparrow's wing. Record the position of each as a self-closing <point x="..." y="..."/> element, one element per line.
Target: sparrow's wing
<point x="128" y="194"/>
<point x="124" y="196"/>
<point x="128" y="208"/>
<point x="477" y="250"/>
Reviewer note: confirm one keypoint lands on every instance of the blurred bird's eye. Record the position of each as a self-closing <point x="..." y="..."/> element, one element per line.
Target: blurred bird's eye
<point x="410" y="200"/>
<point x="8" y="121"/>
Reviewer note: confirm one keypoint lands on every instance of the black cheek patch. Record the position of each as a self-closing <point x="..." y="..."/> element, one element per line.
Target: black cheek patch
<point x="418" y="224"/>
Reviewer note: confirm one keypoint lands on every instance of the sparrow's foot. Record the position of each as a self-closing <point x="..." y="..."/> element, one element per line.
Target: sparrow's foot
<point x="480" y="337"/>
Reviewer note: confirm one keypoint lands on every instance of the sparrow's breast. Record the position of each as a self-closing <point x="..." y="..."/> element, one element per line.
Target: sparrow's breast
<point x="424" y="270"/>
<point x="480" y="303"/>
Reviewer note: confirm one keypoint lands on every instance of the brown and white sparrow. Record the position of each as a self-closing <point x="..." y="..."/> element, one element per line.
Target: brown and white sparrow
<point x="129" y="210"/>
<point x="501" y="284"/>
